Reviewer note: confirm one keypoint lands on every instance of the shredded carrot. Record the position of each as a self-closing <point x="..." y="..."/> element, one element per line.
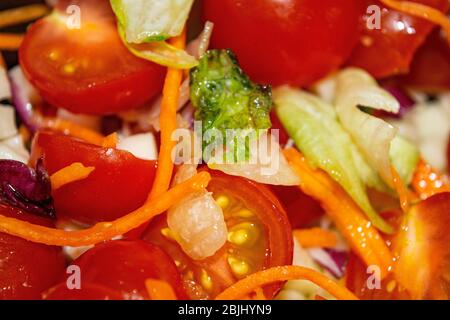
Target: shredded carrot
<point x="22" y="14"/>
<point x="315" y="238"/>
<point x="104" y="231"/>
<point x="168" y="123"/>
<point x="402" y="191"/>
<point x="73" y="129"/>
<point x="421" y="11"/>
<point x="10" y="41"/>
<point x="428" y="182"/>
<point x="261" y="278"/>
<point x="75" y="172"/>
<point x="318" y="297"/>
<point x="159" y="290"/>
<point x="110" y="141"/>
<point x="348" y="217"/>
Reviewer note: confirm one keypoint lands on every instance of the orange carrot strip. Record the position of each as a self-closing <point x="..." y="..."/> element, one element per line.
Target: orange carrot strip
<point x="159" y="290"/>
<point x="428" y="182"/>
<point x="103" y="231"/>
<point x="110" y="141"/>
<point x="319" y="297"/>
<point x="348" y="217"/>
<point x="168" y="123"/>
<point x="22" y="14"/>
<point x="402" y="191"/>
<point x="315" y="238"/>
<point x="10" y="41"/>
<point x="75" y="172"/>
<point x="421" y="11"/>
<point x="284" y="273"/>
<point x="74" y="130"/>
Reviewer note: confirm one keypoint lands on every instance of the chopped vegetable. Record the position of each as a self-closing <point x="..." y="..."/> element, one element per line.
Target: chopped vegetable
<point x="75" y="172"/>
<point x="226" y="99"/>
<point x="103" y="231"/>
<point x="428" y="182"/>
<point x="156" y="20"/>
<point x="315" y="238"/>
<point x="74" y="130"/>
<point x="145" y="25"/>
<point x="373" y="136"/>
<point x="142" y="146"/>
<point x="22" y="14"/>
<point x="349" y="219"/>
<point x="10" y="41"/>
<point x="26" y="188"/>
<point x="313" y="125"/>
<point x="252" y="282"/>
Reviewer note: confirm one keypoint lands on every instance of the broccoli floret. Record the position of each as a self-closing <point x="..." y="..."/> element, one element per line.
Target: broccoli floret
<point x="225" y="97"/>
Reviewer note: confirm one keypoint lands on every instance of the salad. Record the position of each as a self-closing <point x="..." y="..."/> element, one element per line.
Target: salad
<point x="225" y="149"/>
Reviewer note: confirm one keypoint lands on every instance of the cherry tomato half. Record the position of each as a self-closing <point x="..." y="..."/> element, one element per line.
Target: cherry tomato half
<point x="259" y="237"/>
<point x="286" y="42"/>
<point x="123" y="267"/>
<point x="27" y="268"/>
<point x="119" y="184"/>
<point x="86" y="69"/>
<point x="389" y="50"/>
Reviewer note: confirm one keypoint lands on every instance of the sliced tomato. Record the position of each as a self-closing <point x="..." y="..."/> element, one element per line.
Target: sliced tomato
<point x="389" y="50"/>
<point x="27" y="268"/>
<point x="430" y="69"/>
<point x="259" y="237"/>
<point x="86" y="69"/>
<point x="286" y="42"/>
<point x="119" y="184"/>
<point x="422" y="250"/>
<point x="88" y="291"/>
<point x="124" y="266"/>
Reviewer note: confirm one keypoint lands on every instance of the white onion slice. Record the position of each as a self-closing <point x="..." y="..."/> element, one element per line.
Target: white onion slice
<point x="142" y="146"/>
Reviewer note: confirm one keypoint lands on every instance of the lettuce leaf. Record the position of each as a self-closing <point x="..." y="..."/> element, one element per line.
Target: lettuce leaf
<point x="314" y="126"/>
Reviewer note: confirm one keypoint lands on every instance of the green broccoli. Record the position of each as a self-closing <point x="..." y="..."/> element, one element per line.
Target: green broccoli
<point x="225" y="98"/>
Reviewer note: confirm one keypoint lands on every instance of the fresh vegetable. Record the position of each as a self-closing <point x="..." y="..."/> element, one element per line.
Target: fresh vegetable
<point x="315" y="238"/>
<point x="264" y="277"/>
<point x="147" y="21"/>
<point x="27" y="268"/>
<point x="355" y="89"/>
<point x="119" y="184"/>
<point x="270" y="40"/>
<point x="334" y="261"/>
<point x="22" y="14"/>
<point x="363" y="238"/>
<point x="259" y="237"/>
<point x="126" y="265"/>
<point x="87" y="70"/>
<point x="103" y="231"/>
<point x="315" y="129"/>
<point x="398" y="37"/>
<point x="145" y="25"/>
<point x="425" y="238"/>
<point x="427" y="181"/>
<point x="75" y="172"/>
<point x="26" y="188"/>
<point x="225" y="98"/>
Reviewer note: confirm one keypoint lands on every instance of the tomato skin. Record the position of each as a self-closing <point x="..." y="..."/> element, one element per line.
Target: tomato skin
<point x="257" y="198"/>
<point x="301" y="209"/>
<point x="27" y="268"/>
<point x="123" y="266"/>
<point x="430" y="68"/>
<point x="389" y="51"/>
<point x="286" y="42"/>
<point x="87" y="292"/>
<point x="105" y="77"/>
<point x="119" y="184"/>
